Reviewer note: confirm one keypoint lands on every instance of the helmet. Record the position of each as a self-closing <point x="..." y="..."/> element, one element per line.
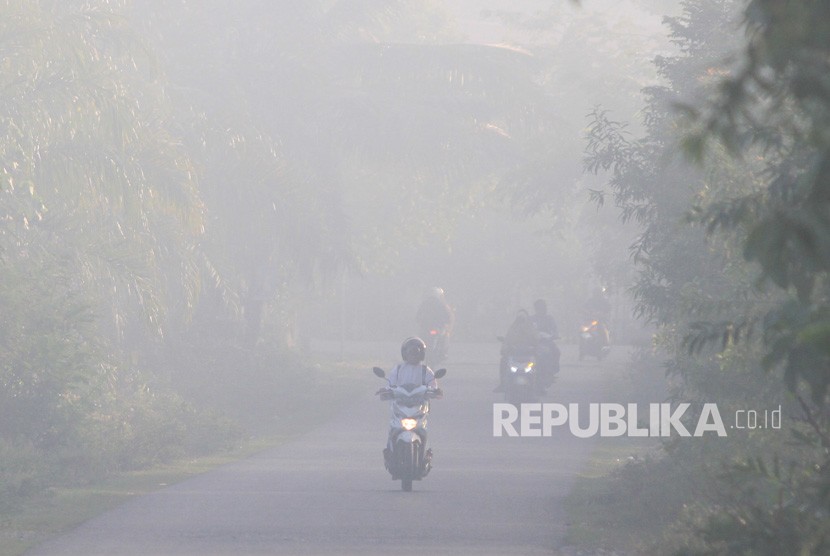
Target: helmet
<point x="413" y="350"/>
<point x="540" y="306"/>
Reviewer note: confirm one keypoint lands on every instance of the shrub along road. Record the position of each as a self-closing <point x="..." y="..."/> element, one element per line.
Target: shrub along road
<point x="328" y="493"/>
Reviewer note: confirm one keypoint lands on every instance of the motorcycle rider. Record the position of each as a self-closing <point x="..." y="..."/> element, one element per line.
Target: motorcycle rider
<point x="549" y="353"/>
<point x="435" y="314"/>
<point x="521" y="337"/>
<point x="412" y="371"/>
<point x="598" y="308"/>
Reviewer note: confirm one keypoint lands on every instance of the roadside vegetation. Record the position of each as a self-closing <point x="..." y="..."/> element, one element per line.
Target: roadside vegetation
<point x="729" y="187"/>
<point x="310" y="395"/>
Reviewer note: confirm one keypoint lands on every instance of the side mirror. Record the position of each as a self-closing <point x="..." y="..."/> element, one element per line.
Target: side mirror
<point x="500" y="338"/>
<point x="378" y="372"/>
<point x="440" y="373"/>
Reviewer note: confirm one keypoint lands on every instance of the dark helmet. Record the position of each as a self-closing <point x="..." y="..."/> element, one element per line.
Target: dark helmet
<point x="540" y="306"/>
<point x="413" y="350"/>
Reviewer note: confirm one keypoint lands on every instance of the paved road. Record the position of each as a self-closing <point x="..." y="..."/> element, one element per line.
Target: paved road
<point x="328" y="493"/>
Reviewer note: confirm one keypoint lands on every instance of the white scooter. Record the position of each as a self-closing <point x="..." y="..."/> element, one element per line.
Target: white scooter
<point x="406" y="456"/>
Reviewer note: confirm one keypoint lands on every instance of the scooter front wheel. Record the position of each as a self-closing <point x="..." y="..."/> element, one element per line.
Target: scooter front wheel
<point x="409" y="464"/>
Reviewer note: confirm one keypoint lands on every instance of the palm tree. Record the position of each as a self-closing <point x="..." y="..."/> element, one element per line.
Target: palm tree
<point x="337" y="132"/>
<point x="91" y="166"/>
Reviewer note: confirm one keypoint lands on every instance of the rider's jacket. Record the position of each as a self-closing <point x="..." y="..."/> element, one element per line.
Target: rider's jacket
<point x="434" y="313"/>
<point x="407" y="373"/>
<point x="545" y="324"/>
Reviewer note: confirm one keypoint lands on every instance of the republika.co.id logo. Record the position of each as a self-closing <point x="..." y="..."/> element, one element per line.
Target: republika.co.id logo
<point x="614" y="419"/>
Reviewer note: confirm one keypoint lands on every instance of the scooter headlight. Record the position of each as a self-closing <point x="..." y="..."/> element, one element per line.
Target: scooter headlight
<point x="409" y="423"/>
<point x="525" y="369"/>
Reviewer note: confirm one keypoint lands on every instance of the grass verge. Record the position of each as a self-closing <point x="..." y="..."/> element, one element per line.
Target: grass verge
<point x="601" y="515"/>
<point x="57" y="510"/>
<point x="612" y="504"/>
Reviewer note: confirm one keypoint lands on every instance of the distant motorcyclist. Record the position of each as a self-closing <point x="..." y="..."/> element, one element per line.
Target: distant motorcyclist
<point x="548" y="352"/>
<point x="598" y="308"/>
<point x="435" y="320"/>
<point x="521" y="338"/>
<point x="434" y="312"/>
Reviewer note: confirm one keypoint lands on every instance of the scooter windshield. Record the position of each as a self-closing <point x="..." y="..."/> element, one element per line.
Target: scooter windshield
<point x="409" y="395"/>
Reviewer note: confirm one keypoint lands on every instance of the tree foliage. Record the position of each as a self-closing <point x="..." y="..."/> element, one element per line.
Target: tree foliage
<point x="777" y="104"/>
<point x="99" y="217"/>
<point x="176" y="177"/>
<point x="90" y="165"/>
<point x="750" y="279"/>
<point x="356" y="134"/>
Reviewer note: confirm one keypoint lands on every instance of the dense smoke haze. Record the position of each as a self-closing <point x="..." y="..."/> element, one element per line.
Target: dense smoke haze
<point x="217" y="216"/>
<point x="419" y="145"/>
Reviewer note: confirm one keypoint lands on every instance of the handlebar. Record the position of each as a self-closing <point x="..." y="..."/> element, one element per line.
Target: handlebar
<point x="387" y="394"/>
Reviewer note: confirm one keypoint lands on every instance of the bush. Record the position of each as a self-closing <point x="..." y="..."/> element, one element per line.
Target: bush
<point x="21" y="472"/>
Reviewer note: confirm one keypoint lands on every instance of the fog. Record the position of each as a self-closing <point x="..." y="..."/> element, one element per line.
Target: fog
<point x="217" y="216"/>
<point x="423" y="145"/>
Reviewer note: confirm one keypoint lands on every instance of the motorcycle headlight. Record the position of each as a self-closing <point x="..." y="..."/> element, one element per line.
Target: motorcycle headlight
<point x="526" y="369"/>
<point x="409" y="424"/>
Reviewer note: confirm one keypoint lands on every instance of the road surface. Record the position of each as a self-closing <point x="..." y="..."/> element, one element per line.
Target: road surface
<point x="328" y="493"/>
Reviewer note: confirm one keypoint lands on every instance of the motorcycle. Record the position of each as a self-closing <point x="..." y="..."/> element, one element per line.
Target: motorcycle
<point x="437" y="341"/>
<point x="547" y="354"/>
<point x="594" y="340"/>
<point x="521" y="380"/>
<point x="406" y="456"/>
